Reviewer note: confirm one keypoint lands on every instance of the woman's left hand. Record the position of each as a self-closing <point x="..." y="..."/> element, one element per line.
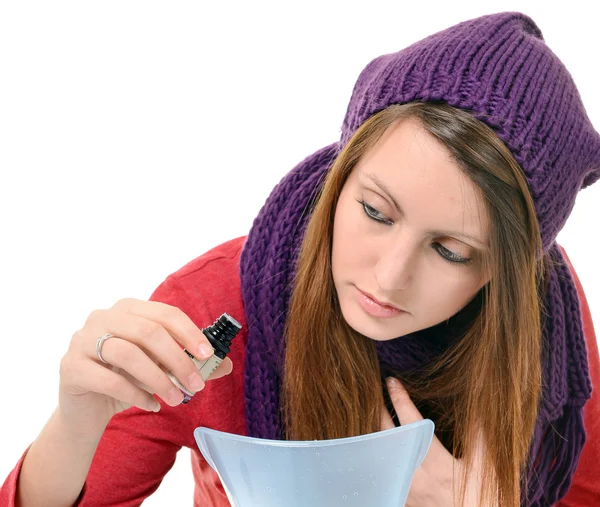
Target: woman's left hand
<point x="433" y="483"/>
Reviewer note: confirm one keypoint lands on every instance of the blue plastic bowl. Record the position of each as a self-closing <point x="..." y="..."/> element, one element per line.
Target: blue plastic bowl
<point x="374" y="469"/>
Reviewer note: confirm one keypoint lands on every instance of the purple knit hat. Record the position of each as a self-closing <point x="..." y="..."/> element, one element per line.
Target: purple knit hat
<point x="498" y="68"/>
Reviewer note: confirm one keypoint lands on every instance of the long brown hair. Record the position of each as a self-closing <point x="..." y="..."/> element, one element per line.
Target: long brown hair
<point x="488" y="383"/>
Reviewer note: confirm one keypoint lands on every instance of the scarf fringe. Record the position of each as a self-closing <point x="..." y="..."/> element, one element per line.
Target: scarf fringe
<point x="556" y="457"/>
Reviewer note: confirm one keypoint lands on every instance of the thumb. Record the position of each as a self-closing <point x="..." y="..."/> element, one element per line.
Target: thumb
<point x="405" y="409"/>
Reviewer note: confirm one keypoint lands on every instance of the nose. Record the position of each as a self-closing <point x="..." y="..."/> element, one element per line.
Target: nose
<point x="395" y="265"/>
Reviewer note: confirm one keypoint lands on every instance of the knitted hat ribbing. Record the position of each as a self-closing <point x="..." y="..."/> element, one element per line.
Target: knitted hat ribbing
<point x="498" y="68"/>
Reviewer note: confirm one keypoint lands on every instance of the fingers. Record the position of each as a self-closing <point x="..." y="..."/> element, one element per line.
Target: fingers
<point x="386" y="419"/>
<point x="96" y="378"/>
<point x="408" y="413"/>
<point x="405" y="409"/>
<point x="179" y="325"/>
<point x="151" y="337"/>
<point x="145" y="348"/>
<point x="132" y="359"/>
<point x="225" y="368"/>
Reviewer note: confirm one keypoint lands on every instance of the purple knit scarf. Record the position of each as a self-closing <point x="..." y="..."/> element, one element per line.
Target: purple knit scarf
<point x="448" y="66"/>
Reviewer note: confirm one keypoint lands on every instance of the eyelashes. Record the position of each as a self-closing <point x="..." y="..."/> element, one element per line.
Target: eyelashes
<point x="376" y="215"/>
<point x="450" y="256"/>
<point x="379" y="217"/>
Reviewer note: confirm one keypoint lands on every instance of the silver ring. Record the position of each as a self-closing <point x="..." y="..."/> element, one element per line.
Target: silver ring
<point x="99" y="344"/>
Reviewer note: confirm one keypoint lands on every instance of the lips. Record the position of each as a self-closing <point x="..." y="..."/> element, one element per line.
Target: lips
<point x="385" y="305"/>
<point x="375" y="308"/>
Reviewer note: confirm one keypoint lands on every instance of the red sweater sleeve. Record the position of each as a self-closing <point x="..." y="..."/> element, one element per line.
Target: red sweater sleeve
<point x="585" y="488"/>
<point x="137" y="448"/>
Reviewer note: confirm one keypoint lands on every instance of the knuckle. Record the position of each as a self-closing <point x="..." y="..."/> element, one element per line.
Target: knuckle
<point x="94" y="316"/>
<point x="150" y="330"/>
<point x="170" y="314"/>
<point x="123" y="303"/>
<point x="176" y="316"/>
<point x="177" y="313"/>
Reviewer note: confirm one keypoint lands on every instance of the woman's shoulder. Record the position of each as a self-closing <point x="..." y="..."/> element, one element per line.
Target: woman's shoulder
<point x="221" y="257"/>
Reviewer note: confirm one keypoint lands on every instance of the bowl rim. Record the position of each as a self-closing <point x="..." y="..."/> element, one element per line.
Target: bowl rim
<point x="315" y="443"/>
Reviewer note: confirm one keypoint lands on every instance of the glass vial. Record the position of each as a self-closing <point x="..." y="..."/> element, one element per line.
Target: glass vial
<point x="220" y="334"/>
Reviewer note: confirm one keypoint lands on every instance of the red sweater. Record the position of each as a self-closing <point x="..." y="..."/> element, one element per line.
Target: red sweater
<point x="138" y="448"/>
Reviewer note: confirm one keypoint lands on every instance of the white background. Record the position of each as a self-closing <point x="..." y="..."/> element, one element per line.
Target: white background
<point x="134" y="136"/>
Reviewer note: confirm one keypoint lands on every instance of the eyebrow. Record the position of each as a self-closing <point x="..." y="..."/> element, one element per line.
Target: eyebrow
<point x="386" y="191"/>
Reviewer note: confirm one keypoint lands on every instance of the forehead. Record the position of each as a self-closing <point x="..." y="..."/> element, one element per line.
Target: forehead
<point x="429" y="185"/>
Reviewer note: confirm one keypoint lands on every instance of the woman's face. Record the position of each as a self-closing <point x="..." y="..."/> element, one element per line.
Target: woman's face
<point x="409" y="231"/>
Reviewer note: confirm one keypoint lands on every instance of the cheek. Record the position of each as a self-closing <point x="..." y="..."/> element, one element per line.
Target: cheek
<point x="445" y="298"/>
<point x="349" y="249"/>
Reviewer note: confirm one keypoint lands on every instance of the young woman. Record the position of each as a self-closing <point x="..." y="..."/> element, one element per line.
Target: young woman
<point x="421" y="246"/>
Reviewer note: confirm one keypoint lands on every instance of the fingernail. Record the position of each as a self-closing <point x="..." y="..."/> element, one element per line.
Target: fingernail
<point x="195" y="381"/>
<point x="174" y="396"/>
<point x="205" y="350"/>
<point x="392" y="382"/>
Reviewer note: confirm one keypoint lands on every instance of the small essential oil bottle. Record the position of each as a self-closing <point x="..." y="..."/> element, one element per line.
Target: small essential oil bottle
<point x="219" y="335"/>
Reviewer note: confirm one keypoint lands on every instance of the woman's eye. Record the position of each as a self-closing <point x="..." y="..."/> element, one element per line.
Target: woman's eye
<point x="446" y="254"/>
<point x="374" y="214"/>
<point x="450" y="256"/>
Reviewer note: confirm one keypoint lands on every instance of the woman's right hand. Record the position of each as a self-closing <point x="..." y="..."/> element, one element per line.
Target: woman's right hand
<point x="149" y="338"/>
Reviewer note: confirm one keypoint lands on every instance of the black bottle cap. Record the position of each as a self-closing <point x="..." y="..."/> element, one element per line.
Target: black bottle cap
<point x="222" y="332"/>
